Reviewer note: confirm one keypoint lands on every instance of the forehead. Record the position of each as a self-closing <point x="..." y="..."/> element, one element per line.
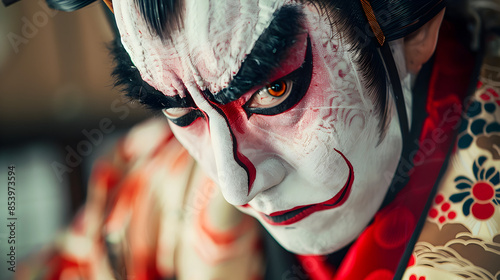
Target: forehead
<point x="207" y="51"/>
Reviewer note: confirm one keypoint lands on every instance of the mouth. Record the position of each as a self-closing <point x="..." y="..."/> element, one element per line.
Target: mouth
<point x="291" y="216"/>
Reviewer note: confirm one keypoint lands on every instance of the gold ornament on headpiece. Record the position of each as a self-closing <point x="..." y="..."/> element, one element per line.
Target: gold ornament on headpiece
<point x="372" y="20"/>
<point x="109" y="3"/>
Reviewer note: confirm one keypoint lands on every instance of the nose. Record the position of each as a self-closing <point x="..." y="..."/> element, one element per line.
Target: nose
<point x="245" y="164"/>
<point x="243" y="169"/>
<point x="269" y="173"/>
<point x="240" y="178"/>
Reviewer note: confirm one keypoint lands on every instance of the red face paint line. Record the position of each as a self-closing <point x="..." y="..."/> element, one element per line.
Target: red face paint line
<point x="291" y="216"/>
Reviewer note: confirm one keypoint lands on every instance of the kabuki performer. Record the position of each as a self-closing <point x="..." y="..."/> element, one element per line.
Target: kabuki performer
<point x="320" y="139"/>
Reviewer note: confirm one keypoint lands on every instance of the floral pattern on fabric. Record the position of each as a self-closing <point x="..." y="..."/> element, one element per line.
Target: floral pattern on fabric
<point x="441" y="211"/>
<point x="461" y="237"/>
<point x="481" y="194"/>
<point x="477" y="129"/>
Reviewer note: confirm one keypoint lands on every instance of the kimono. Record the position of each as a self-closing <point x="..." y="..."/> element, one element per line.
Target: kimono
<point x="152" y="213"/>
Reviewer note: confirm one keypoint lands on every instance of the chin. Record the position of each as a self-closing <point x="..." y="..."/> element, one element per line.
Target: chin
<point x="313" y="248"/>
<point x="314" y="244"/>
<point x="320" y="234"/>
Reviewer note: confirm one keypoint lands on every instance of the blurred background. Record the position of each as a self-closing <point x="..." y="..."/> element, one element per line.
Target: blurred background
<point x="58" y="113"/>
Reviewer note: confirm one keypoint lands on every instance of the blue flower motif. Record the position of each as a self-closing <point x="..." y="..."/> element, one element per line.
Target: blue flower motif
<point x="480" y="193"/>
<point x="471" y="127"/>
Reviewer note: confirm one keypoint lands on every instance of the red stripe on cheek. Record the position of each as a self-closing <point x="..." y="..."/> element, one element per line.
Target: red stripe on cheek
<point x="236" y="118"/>
<point x="235" y="114"/>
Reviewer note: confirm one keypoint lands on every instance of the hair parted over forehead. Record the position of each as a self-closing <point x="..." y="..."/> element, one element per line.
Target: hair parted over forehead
<point x="163" y="16"/>
<point x="397" y="18"/>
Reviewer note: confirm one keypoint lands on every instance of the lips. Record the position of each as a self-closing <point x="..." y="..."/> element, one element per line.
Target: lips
<point x="291" y="216"/>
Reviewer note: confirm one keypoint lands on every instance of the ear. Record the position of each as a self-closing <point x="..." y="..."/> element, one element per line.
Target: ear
<point x="420" y="45"/>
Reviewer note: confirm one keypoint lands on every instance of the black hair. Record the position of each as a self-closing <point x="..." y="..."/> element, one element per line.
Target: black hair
<point x="163" y="16"/>
<point x="68" y="5"/>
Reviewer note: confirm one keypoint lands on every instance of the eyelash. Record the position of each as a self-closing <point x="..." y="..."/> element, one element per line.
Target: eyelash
<point x="186" y="119"/>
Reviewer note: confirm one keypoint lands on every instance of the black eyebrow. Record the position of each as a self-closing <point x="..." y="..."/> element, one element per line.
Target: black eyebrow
<point x="162" y="16"/>
<point x="126" y="75"/>
<point x="270" y="48"/>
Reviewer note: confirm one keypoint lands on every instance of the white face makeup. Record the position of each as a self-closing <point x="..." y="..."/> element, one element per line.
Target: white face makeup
<point x="297" y="150"/>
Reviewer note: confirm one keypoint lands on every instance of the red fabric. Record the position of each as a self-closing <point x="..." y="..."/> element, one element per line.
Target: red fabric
<point x="378" y="250"/>
<point x="61" y="265"/>
<point x="316" y="267"/>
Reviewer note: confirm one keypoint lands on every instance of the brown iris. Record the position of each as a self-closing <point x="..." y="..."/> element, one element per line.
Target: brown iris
<point x="277" y="88"/>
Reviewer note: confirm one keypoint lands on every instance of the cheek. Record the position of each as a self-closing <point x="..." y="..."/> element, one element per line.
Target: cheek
<point x="328" y="114"/>
<point x="326" y="118"/>
<point x="196" y="139"/>
<point x="336" y="92"/>
<point x="338" y="100"/>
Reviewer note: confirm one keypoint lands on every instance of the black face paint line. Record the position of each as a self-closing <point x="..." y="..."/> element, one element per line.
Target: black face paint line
<point x="187" y="119"/>
<point x="239" y="158"/>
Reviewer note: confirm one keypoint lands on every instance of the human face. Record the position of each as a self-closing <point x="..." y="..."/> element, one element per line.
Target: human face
<point x="298" y="147"/>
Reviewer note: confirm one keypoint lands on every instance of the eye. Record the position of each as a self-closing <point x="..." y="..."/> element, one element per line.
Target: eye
<point x="182" y="116"/>
<point x="277" y="89"/>
<point x="175" y="113"/>
<point x="283" y="94"/>
<point x="271" y="95"/>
